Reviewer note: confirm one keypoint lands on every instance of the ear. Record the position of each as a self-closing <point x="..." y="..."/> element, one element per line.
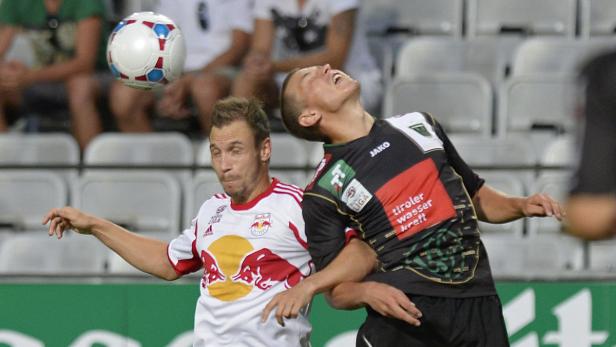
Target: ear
<point x="309" y="118"/>
<point x="266" y="149"/>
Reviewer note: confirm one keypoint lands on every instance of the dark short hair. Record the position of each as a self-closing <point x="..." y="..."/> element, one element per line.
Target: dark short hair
<point x="290" y="110"/>
<point x="232" y="108"/>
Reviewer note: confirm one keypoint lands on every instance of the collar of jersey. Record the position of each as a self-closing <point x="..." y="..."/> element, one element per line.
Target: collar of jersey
<point x="329" y="146"/>
<point x="250" y="204"/>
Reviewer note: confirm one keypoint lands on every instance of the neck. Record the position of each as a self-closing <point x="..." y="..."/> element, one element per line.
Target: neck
<point x="260" y="185"/>
<point x="352" y="124"/>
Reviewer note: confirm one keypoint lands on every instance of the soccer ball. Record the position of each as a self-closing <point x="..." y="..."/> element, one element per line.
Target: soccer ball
<point x="146" y="50"/>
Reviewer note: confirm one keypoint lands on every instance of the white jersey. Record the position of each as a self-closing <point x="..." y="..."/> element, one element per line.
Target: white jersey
<point x="301" y="31"/>
<point x="207" y="26"/>
<point x="249" y="253"/>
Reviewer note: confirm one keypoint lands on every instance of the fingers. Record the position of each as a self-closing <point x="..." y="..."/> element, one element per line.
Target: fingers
<point x="545" y="205"/>
<point x="269" y="307"/>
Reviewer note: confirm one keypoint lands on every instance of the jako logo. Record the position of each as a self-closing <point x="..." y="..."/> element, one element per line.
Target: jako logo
<point x="378" y="149"/>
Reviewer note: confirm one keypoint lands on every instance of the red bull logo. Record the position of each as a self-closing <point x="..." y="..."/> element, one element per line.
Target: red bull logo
<point x="232" y="268"/>
<point x="211" y="273"/>
<point x="261" y="224"/>
<point x="264" y="268"/>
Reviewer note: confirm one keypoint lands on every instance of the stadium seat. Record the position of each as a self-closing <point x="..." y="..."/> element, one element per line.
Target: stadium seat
<point x="601" y="255"/>
<point x="494" y="152"/>
<point x="598" y="17"/>
<point x="488" y="57"/>
<point x="202" y="187"/>
<point x="419" y="17"/>
<point x="147" y="201"/>
<point x="204" y="158"/>
<point x="514" y="256"/>
<point x="40" y="254"/>
<point x="522" y="17"/>
<point x="559" y="56"/>
<point x="560" y="152"/>
<point x="36" y="149"/>
<point x="556" y="185"/>
<point x="26" y="196"/>
<point x="509" y="184"/>
<point x="462" y="102"/>
<point x="537" y="102"/>
<point x="289" y="151"/>
<point x="142" y="149"/>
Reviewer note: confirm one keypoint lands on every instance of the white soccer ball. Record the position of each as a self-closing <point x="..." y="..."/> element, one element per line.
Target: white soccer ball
<point x="146" y="50"/>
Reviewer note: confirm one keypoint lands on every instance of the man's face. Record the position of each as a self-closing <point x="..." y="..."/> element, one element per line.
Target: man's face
<point x="237" y="161"/>
<point x="323" y="88"/>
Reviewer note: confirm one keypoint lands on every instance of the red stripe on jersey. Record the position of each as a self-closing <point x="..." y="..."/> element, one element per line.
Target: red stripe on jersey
<point x="294" y="196"/>
<point x="297" y="236"/>
<point x="291" y="187"/>
<point x="186" y="266"/>
<point x="294" y="193"/>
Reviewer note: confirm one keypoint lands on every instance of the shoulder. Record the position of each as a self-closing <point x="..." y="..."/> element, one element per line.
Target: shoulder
<point x="213" y="204"/>
<point x="409" y="119"/>
<point x="288" y="193"/>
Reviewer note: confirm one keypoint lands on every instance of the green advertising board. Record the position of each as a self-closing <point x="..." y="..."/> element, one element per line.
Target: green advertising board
<point x="565" y="314"/>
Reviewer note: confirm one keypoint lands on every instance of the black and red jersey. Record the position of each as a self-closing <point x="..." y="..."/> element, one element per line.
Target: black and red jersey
<point x="407" y="192"/>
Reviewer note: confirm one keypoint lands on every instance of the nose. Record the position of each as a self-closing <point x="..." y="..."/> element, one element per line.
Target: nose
<point x="326" y="68"/>
<point x="226" y="163"/>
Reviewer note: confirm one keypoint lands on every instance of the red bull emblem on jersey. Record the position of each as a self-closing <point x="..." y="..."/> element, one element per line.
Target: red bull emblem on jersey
<point x="261" y="224"/>
<point x="264" y="268"/>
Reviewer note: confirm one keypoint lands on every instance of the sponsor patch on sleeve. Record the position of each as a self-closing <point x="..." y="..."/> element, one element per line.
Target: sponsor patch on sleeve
<point x="355" y="196"/>
<point x="417" y="129"/>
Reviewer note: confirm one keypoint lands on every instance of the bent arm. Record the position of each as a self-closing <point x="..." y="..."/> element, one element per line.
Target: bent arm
<point x="493" y="206"/>
<point x="144" y="253"/>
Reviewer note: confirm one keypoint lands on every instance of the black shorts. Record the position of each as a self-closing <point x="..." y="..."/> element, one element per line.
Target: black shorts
<point x="446" y="322"/>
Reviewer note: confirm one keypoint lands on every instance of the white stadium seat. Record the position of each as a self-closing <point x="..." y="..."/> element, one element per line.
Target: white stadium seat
<point x="41" y="254"/>
<point x="26" y="196"/>
<point x="33" y="149"/>
<point x="461" y="102"/>
<point x="598" y="17"/>
<point x="143" y="202"/>
<point x="524" y="17"/>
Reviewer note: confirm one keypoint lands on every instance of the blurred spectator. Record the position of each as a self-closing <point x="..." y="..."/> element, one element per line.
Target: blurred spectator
<point x="299" y="33"/>
<point x="217" y="35"/>
<point x="68" y="42"/>
<point x="592" y="204"/>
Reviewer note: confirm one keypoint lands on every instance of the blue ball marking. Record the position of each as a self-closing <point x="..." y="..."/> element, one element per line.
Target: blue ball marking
<point x="156" y="75"/>
<point x="114" y="71"/>
<point x="120" y="25"/>
<point x="161" y="30"/>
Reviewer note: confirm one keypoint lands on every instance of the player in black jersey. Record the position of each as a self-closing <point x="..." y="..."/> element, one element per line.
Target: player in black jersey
<point x="594" y="186"/>
<point x="402" y="185"/>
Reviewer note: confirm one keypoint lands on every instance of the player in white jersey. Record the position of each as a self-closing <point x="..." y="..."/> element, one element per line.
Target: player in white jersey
<point x="249" y="241"/>
<point x="217" y="36"/>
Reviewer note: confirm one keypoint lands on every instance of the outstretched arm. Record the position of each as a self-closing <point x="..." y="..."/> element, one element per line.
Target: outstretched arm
<point x="146" y="254"/>
<point x="493" y="206"/>
<point x="385" y="299"/>
<point x="355" y="261"/>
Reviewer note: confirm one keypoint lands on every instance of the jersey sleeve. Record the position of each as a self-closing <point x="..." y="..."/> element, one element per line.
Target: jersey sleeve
<point x="9" y="12"/>
<point x="241" y="16"/>
<point x="182" y="251"/>
<point x="472" y="181"/>
<point x="326" y="229"/>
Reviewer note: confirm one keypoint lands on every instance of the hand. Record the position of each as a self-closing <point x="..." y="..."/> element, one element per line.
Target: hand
<point x="390" y="302"/>
<point x="173" y="102"/>
<point x="289" y="302"/>
<point x="542" y="205"/>
<point x="13" y="76"/>
<point x="68" y="218"/>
